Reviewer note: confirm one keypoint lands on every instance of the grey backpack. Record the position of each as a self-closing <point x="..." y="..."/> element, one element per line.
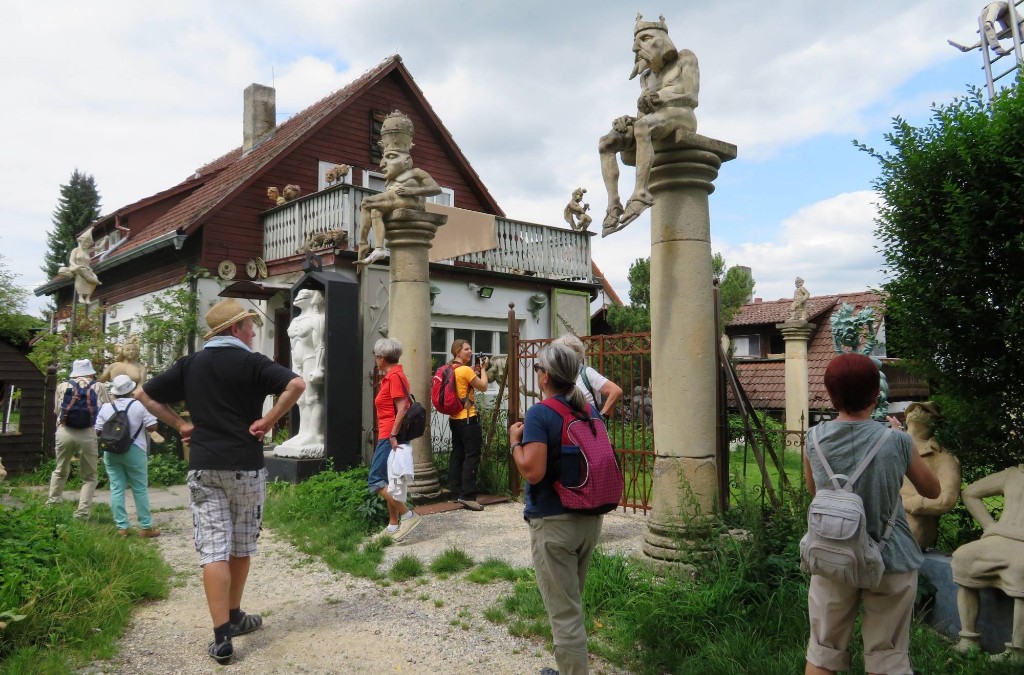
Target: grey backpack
<point x="837" y="545"/>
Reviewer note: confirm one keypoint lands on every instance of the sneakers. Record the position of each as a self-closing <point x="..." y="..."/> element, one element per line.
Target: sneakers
<point x="471" y="504"/>
<point x="148" y="533"/>
<point x="405" y="526"/>
<point x="247" y="624"/>
<point x="221" y="652"/>
<point x="124" y="533"/>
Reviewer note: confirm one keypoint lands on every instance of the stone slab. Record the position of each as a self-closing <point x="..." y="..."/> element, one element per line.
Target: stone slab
<point x="291" y="469"/>
<point x="995" y="620"/>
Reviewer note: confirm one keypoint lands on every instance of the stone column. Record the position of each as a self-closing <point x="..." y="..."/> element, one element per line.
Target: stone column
<point x="409" y="234"/>
<point x="796" y="334"/>
<point x="683" y="345"/>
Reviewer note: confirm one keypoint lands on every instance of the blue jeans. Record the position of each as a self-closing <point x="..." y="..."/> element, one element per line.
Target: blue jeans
<point x="379" y="466"/>
<point x="130" y="469"/>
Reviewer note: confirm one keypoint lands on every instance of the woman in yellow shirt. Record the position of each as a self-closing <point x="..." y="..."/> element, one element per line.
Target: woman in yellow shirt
<point x="467" y="436"/>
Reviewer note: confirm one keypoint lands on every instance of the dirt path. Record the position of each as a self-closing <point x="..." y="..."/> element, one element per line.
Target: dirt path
<point x="320" y="621"/>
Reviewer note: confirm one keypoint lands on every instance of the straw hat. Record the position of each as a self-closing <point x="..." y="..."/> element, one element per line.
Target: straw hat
<point x="82" y="368"/>
<point x="225" y="314"/>
<point x="121" y="385"/>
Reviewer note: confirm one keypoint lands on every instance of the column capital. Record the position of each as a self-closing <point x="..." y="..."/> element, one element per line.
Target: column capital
<point x="796" y="330"/>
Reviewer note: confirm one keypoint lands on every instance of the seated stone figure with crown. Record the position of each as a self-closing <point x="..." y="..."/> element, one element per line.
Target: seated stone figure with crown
<point x="669" y="84"/>
<point x="406" y="187"/>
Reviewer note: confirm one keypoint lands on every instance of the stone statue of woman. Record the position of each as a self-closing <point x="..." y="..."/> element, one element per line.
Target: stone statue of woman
<point x="79" y="268"/>
<point x="307" y="335"/>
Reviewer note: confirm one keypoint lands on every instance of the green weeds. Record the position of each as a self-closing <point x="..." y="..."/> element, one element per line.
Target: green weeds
<point x="451" y="561"/>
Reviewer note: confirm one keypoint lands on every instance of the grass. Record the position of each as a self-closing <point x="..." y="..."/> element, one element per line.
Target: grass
<point x="493" y="569"/>
<point x="406" y="567"/>
<point x="75" y="582"/>
<point x="451" y="561"/>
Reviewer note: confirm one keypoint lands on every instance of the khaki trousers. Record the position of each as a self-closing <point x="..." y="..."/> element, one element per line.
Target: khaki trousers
<point x="561" y="547"/>
<point x="70" y="442"/>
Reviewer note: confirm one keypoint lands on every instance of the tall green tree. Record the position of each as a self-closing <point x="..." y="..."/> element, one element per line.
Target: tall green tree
<point x="736" y="289"/>
<point x="77" y="207"/>
<point x="951" y="228"/>
<point x="15" y="325"/>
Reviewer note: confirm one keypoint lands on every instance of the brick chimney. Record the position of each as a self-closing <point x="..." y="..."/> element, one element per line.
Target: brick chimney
<point x="259" y="115"/>
<point x="757" y="301"/>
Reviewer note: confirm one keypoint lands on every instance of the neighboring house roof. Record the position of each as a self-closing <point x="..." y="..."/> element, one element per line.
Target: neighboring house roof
<point x="765" y="380"/>
<point x="606" y="285"/>
<point x="216" y="182"/>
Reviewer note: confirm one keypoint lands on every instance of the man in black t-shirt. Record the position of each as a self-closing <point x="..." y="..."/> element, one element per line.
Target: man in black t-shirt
<point x="224" y="386"/>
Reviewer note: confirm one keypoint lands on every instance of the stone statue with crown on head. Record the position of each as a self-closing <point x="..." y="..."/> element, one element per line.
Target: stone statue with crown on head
<point x="406" y="188"/>
<point x="669" y="83"/>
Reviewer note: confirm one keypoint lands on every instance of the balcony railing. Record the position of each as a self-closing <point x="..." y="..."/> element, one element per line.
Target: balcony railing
<point x="523" y="248"/>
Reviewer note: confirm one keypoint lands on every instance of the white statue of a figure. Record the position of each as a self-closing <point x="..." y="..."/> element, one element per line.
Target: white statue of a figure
<point x="79" y="267"/>
<point x="994" y="14"/>
<point x="307" y="336"/>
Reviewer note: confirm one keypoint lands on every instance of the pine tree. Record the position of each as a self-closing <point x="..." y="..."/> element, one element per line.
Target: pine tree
<point x="78" y="207"/>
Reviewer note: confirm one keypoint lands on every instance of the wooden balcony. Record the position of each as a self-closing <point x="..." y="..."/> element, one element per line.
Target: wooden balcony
<point x="523" y="248"/>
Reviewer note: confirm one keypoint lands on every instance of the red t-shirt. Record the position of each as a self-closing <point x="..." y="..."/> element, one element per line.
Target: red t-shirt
<point x="390" y="390"/>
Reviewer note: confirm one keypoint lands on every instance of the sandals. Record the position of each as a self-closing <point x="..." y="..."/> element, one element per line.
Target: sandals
<point x="221" y="652"/>
<point x="248" y="624"/>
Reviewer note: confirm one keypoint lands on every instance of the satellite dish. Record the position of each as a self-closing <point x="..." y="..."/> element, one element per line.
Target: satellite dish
<point x="226" y="270"/>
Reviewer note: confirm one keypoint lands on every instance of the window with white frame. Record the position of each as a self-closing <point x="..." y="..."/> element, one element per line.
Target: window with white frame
<point x="374" y="180"/>
<point x="485" y="342"/>
<point x="323" y="168"/>
<point x="446" y="198"/>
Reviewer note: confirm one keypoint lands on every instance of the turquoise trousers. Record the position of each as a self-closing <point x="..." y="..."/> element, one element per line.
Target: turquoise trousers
<point x="129" y="470"/>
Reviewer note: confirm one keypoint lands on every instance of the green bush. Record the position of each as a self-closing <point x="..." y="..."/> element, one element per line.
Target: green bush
<point x="167" y="469"/>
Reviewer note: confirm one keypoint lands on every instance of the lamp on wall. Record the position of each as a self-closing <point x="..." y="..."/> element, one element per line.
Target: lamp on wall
<point x="484" y="292"/>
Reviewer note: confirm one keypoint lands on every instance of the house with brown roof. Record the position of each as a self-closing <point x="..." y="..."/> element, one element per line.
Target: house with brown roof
<point x="758" y="354"/>
<point x="220" y="219"/>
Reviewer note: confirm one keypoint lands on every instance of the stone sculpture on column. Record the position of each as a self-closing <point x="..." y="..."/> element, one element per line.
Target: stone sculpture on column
<point x="306" y="332"/>
<point x="575" y="212"/>
<point x="79" y="268"/>
<point x="922" y="513"/>
<point x="994" y="561"/>
<point x="856" y="333"/>
<point x="798" y="310"/>
<point x="669" y="84"/>
<point x="406" y="188"/>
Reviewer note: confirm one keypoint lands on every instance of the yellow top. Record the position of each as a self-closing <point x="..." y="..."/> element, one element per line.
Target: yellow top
<point x="463" y="376"/>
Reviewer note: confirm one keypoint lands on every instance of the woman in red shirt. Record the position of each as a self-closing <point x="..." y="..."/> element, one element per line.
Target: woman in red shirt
<point x="392" y="401"/>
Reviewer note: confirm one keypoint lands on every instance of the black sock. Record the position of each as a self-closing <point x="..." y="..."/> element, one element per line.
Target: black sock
<point x="222" y="633"/>
<point x="236" y="615"/>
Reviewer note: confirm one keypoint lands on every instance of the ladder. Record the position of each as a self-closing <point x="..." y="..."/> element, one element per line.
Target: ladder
<point x="989" y="58"/>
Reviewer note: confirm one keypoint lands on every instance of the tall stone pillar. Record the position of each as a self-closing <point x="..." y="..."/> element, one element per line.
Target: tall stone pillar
<point x="683" y="344"/>
<point x="409" y="236"/>
<point x="796" y="334"/>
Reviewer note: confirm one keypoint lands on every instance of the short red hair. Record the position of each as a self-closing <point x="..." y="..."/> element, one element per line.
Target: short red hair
<point x="852" y="381"/>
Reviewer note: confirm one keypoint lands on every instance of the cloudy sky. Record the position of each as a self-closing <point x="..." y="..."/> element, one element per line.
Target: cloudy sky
<point x="140" y="94"/>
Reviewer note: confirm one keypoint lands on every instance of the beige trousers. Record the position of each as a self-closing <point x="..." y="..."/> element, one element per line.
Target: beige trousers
<point x="561" y="547"/>
<point x="70" y="442"/>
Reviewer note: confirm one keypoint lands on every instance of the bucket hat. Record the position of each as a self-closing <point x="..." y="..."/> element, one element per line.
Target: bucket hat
<point x="121" y="385"/>
<point x="82" y="368"/>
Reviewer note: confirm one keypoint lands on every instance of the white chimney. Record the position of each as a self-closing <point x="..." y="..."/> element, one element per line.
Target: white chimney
<point x="259" y="115"/>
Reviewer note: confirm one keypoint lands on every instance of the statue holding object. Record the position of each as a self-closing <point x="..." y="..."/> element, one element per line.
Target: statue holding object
<point x="669" y="84"/>
<point x="406" y="187"/>
<point x="79" y="268"/>
<point x="994" y="13"/>
<point x="575" y="212"/>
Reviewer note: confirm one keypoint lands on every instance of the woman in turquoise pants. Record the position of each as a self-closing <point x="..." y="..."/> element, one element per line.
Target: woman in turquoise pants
<point x="131" y="468"/>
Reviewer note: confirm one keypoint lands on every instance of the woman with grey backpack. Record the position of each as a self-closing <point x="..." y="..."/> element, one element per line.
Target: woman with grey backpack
<point x="873" y="459"/>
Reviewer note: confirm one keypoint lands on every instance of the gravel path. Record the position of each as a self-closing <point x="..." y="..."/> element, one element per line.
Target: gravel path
<point x="321" y="621"/>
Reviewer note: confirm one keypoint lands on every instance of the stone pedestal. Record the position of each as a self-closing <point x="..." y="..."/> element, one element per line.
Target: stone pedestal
<point x="995" y="618"/>
<point x="684" y="340"/>
<point x="796" y="334"/>
<point x="409" y="234"/>
<point x="291" y="469"/>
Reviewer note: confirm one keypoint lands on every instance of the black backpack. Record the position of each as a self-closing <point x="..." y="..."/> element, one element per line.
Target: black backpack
<point x="79" y="408"/>
<point x="116" y="436"/>
<point x="415" y="421"/>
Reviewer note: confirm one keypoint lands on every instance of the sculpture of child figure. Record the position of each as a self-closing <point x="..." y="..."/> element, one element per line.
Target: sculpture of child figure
<point x="406" y="187"/>
<point x="994" y="561"/>
<point x="798" y="309"/>
<point x="922" y="513"/>
<point x="306" y="332"/>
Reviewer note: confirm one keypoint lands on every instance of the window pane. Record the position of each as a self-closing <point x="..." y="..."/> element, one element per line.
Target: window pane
<point x="483" y="341"/>
<point x="503" y="343"/>
<point x="439" y="340"/>
<point x="463" y="334"/>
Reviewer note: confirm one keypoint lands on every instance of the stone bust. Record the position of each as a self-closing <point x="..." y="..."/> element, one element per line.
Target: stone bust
<point x="922" y="513"/>
<point x="126" y="362"/>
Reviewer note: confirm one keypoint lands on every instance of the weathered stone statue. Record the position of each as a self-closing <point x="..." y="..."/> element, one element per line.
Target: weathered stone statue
<point x="336" y="174"/>
<point x="922" y="513"/>
<point x="126" y="362"/>
<point x="994" y="561"/>
<point x="406" y="187"/>
<point x="669" y="84"/>
<point x="3" y="471"/>
<point x="993" y="13"/>
<point x="306" y="332"/>
<point x="798" y="310"/>
<point x="575" y="212"/>
<point x="79" y="267"/>
<point x="856" y="333"/>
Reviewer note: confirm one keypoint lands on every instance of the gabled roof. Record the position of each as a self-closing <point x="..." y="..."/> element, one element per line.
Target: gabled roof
<point x="224" y="177"/>
<point x="777" y="311"/>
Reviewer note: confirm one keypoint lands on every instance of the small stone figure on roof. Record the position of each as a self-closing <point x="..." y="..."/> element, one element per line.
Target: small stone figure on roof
<point x="993" y="13"/>
<point x="575" y="212"/>
<point x="922" y="513"/>
<point x="80" y="269"/>
<point x="669" y="84"/>
<point x="406" y="187"/>
<point x="290" y="193"/>
<point x="336" y="174"/>
<point x="798" y="310"/>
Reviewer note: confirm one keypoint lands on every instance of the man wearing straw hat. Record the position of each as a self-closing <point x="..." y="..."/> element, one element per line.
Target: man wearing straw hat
<point x="224" y="386"/>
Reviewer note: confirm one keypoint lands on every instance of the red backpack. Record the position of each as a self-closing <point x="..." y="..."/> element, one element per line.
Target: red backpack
<point x="590" y="480"/>
<point x="443" y="393"/>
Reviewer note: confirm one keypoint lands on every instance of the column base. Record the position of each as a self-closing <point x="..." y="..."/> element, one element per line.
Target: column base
<point x="683" y="514"/>
<point x="425" y="485"/>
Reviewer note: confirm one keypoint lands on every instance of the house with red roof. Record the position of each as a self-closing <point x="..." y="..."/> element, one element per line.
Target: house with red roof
<point x="758" y="354"/>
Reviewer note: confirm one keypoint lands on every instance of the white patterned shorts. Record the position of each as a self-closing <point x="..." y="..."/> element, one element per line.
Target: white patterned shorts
<point x="227" y="511"/>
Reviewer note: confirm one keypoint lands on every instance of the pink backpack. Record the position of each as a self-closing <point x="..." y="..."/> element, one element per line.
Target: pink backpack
<point x="590" y="480"/>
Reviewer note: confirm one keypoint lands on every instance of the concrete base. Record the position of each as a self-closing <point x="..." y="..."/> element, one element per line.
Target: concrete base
<point x="291" y="470"/>
<point x="995" y="619"/>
